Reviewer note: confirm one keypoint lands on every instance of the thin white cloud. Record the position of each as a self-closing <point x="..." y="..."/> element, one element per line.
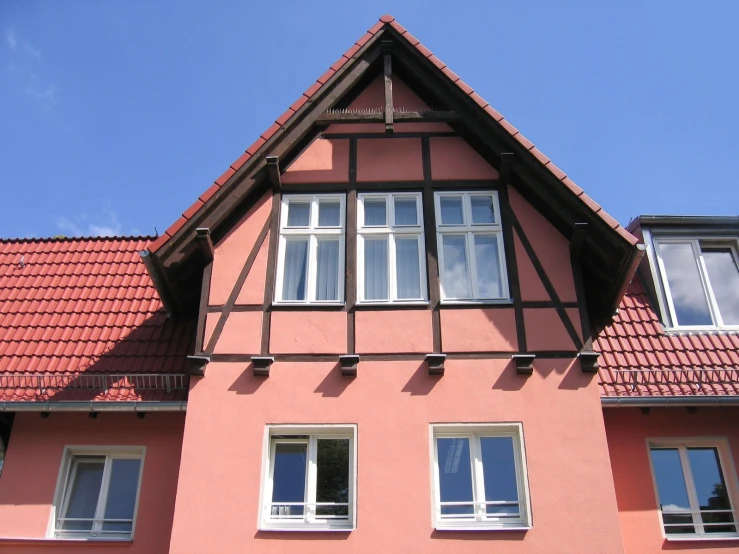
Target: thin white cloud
<point x="103" y="224"/>
<point x="12" y="41"/>
<point x="25" y="68"/>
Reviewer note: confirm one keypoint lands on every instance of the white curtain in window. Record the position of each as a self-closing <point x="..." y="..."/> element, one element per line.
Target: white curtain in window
<point x="296" y="262"/>
<point x="375" y="269"/>
<point x="327" y="278"/>
<point x="407" y="268"/>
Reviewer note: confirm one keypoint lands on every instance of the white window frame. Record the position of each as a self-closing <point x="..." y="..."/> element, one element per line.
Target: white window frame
<point x="729" y="473"/>
<point x="480" y="520"/>
<point x="65" y="482"/>
<point x="468" y="230"/>
<point x="695" y="242"/>
<point x="392" y="232"/>
<point x="312" y="232"/>
<point x="309" y="521"/>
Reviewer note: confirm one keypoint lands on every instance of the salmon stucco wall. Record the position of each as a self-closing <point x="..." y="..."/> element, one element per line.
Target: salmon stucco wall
<point x="34" y="458"/>
<point x="628" y="431"/>
<point x="231" y="252"/>
<point x="552" y="250"/>
<point x="393" y="403"/>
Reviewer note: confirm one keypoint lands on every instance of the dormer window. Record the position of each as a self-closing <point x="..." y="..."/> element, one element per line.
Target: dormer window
<point x="700" y="278"/>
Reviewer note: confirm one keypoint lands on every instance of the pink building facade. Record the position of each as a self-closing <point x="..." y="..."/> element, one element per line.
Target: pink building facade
<point x="390" y="327"/>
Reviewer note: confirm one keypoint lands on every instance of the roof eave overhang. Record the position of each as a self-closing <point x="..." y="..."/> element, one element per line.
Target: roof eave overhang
<point x="668" y="401"/>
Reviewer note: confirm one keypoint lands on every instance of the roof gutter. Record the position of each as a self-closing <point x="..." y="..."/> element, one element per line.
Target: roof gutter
<point x="93" y="406"/>
<point x="161" y="283"/>
<point x="667" y="401"/>
<point x="628" y="274"/>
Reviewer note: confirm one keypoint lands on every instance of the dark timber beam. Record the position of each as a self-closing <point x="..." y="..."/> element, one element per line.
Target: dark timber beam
<point x="205" y="243"/>
<point x="387" y="49"/>
<point x="579" y="234"/>
<point x="339" y="117"/>
<point x="273" y="172"/>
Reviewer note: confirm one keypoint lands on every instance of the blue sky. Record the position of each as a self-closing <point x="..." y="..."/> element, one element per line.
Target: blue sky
<point x="116" y="115"/>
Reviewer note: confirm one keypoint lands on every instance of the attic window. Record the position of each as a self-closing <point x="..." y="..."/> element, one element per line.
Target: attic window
<point x="311" y="258"/>
<point x="700" y="279"/>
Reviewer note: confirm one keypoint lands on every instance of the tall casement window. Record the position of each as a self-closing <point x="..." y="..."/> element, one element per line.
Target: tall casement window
<point x="695" y="498"/>
<point x="480" y="477"/>
<point x="310" y="267"/>
<point x="390" y="248"/>
<point x="701" y="281"/>
<point x="470" y="244"/>
<point x="309" y="478"/>
<point x="97" y="493"/>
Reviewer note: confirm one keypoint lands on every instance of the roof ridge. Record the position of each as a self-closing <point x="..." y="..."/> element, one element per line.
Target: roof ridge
<point x="11" y="240"/>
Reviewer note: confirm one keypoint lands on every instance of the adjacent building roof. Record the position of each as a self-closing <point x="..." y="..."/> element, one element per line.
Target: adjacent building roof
<point x="81" y="320"/>
<point x="638" y="359"/>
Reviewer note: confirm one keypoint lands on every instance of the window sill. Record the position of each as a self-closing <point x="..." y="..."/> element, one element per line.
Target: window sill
<point x="694" y="538"/>
<point x="481" y="526"/>
<point x="478" y="303"/>
<point x="704" y="329"/>
<point x="307" y="528"/>
<point x="287" y="306"/>
<point x="19" y="541"/>
<point x="390" y="305"/>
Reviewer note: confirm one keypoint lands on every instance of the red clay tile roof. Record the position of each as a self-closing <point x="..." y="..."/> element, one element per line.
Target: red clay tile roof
<point x="639" y="360"/>
<point x="84" y="307"/>
<point x="387" y="20"/>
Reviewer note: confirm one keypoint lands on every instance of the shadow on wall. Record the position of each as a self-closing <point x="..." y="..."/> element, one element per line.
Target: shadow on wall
<point x="334" y="384"/>
<point x="247" y="382"/>
<point x="421" y="383"/>
<point x="490" y="536"/>
<point x="303" y="535"/>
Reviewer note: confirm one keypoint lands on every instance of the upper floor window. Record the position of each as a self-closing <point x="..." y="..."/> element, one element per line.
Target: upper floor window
<point x="480" y="477"/>
<point x="98" y="492"/>
<point x="701" y="281"/>
<point x="310" y="265"/>
<point x="470" y="244"/>
<point x="695" y="500"/>
<point x="310" y="478"/>
<point x="391" y="248"/>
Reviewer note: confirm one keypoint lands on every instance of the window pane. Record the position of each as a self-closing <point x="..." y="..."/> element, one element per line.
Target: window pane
<point x="673" y="497"/>
<point x="87" y="474"/>
<point x="724" y="277"/>
<point x="451" y="210"/>
<point x="455" y="475"/>
<point x="688" y="298"/>
<point x="482" y="209"/>
<point x="298" y="214"/>
<point x="288" y="479"/>
<point x="327" y="279"/>
<point x="124" y="482"/>
<point x="499" y="472"/>
<point x="488" y="268"/>
<point x="375" y="269"/>
<point x="375" y="211"/>
<point x="332" y="482"/>
<point x="455" y="266"/>
<point x="407" y="268"/>
<point x="296" y="266"/>
<point x="329" y="213"/>
<point x="710" y="488"/>
<point x="406" y="212"/>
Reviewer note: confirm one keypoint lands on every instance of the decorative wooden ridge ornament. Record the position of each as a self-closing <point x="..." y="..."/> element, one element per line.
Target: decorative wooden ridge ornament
<point x="261" y="365"/>
<point x="524" y="363"/>
<point x="196" y="365"/>
<point x="349" y="363"/>
<point x="589" y="361"/>
<point x="436" y="363"/>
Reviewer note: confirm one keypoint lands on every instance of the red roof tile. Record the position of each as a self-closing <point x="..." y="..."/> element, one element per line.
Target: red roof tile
<point x="80" y="307"/>
<point x="639" y="359"/>
<point x="389" y="20"/>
